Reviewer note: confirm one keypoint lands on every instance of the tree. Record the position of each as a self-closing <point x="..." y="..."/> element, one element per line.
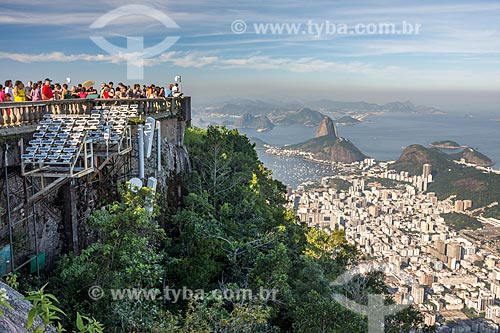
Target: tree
<point x="126" y="253"/>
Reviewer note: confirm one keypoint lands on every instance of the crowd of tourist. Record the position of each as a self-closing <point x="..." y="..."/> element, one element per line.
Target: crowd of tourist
<point x="45" y="90"/>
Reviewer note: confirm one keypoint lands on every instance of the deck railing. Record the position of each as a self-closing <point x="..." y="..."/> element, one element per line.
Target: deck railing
<point x="30" y="113"/>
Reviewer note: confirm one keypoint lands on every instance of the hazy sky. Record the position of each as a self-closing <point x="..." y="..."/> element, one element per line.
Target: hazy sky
<point x="334" y="49"/>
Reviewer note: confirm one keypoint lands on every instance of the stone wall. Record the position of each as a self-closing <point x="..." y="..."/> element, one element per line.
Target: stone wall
<point x="61" y="215"/>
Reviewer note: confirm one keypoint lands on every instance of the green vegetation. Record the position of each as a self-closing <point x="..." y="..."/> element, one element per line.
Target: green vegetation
<point x="493" y="211"/>
<point x="339" y="184"/>
<point x="4" y="301"/>
<point x="446" y="144"/>
<point x="304" y="116"/>
<point x="461" y="221"/>
<point x="470" y="313"/>
<point x="450" y="178"/>
<point x="231" y="233"/>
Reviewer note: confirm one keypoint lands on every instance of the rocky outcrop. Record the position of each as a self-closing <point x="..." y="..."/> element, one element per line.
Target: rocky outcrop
<point x="471" y="155"/>
<point x="328" y="146"/>
<point x="327" y="128"/>
<point x="15" y="320"/>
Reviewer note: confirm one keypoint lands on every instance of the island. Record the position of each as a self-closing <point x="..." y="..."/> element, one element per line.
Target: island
<point x="260" y="122"/>
<point x="347" y="120"/>
<point x="446" y="144"/>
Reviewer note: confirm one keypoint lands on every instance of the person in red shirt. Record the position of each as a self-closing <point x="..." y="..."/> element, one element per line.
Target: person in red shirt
<point x="46" y="91"/>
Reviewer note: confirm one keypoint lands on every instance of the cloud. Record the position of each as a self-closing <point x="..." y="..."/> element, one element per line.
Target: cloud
<point x="202" y="60"/>
<point x="57" y="57"/>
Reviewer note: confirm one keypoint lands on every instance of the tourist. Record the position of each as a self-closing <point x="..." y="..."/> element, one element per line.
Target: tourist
<point x="123" y="92"/>
<point x="65" y="94"/>
<point x="8" y="87"/>
<point x="105" y="93"/>
<point x="47" y="93"/>
<point x="161" y="93"/>
<point x="175" y="89"/>
<point x="19" y="93"/>
<point x="57" y="91"/>
<point x="27" y="90"/>
<point x="35" y="93"/>
<point x="83" y="93"/>
<point x="2" y="94"/>
<point x="91" y="91"/>
<point x="111" y="91"/>
<point x="150" y="92"/>
<point x="74" y="92"/>
<point x="8" y="97"/>
<point x="101" y="91"/>
<point x="136" y="92"/>
<point x="169" y="91"/>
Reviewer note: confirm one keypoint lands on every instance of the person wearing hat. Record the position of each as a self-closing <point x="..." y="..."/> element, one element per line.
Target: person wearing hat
<point x="47" y="93"/>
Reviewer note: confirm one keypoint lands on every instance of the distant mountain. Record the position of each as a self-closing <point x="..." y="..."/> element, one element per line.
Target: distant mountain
<point x="356" y="107"/>
<point x="328" y="146"/>
<point x="399" y="107"/>
<point x="279" y="110"/>
<point x="347" y="120"/>
<point x="240" y="107"/>
<point x="260" y="122"/>
<point x="303" y="116"/>
<point x="337" y="106"/>
<point x="450" y="178"/>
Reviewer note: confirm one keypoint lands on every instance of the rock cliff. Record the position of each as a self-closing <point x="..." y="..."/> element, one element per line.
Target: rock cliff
<point x="327" y="128"/>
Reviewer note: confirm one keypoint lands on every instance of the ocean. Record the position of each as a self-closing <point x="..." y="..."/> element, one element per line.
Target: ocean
<point x="383" y="137"/>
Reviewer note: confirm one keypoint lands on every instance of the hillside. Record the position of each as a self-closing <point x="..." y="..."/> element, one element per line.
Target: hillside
<point x="399" y="107"/>
<point x="329" y="148"/>
<point x="304" y="116"/>
<point x="471" y="155"/>
<point x="258" y="122"/>
<point x="450" y="178"/>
